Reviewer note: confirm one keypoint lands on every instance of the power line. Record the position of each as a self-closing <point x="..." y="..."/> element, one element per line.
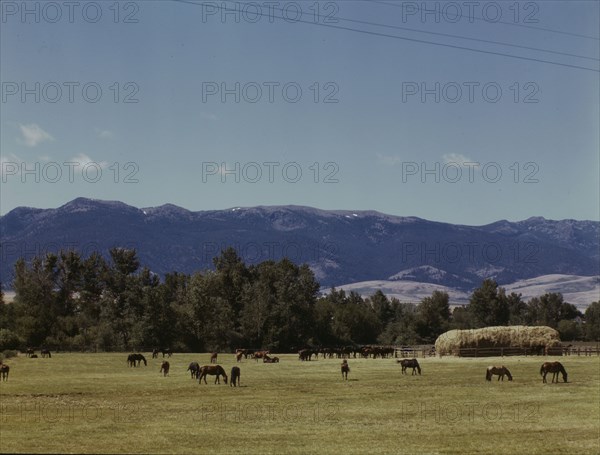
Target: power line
<point x="502" y="22"/>
<point x="385" y="35"/>
<point x="465" y="38"/>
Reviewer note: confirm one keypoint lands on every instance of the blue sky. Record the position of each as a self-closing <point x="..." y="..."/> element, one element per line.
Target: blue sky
<point x="358" y="105"/>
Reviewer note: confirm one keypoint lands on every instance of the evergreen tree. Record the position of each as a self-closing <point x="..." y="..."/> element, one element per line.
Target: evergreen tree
<point x="489" y="305"/>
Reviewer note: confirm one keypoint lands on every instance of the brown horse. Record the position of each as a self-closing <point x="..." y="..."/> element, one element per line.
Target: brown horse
<point x="213" y="357"/>
<point x="194" y="369"/>
<point x="29" y="352"/>
<point x="238" y="356"/>
<point x="213" y="370"/>
<point x="345" y="369"/>
<point x="260" y="354"/>
<point x="554" y="368"/>
<point x="235" y="377"/>
<point x="499" y="371"/>
<point x="4" y="369"/>
<point x="410" y="363"/>
<point x="244" y="352"/>
<point x="267" y="359"/>
<point x="46" y="353"/>
<point x="164" y="368"/>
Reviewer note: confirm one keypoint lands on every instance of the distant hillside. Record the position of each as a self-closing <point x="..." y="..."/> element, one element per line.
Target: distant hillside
<point x="340" y="246"/>
<point x="578" y="290"/>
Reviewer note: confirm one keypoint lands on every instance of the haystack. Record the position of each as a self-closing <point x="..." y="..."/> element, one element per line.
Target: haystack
<point x="516" y="336"/>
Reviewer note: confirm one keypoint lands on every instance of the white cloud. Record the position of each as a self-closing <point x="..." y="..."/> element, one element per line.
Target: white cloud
<point x="389" y="160"/>
<point x="9" y="165"/>
<point x="104" y="134"/>
<point x="459" y="159"/>
<point x="82" y="160"/>
<point x="33" y="135"/>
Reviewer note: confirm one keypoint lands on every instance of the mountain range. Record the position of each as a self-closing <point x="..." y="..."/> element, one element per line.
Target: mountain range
<point x="341" y="247"/>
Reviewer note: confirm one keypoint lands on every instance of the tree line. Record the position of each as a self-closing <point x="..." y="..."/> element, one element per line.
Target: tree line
<point x="68" y="301"/>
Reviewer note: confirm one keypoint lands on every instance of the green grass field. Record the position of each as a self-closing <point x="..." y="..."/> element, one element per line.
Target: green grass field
<point x="94" y="403"/>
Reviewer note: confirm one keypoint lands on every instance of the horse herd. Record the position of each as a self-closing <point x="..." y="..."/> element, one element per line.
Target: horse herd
<point x="200" y="372"/>
<point x="30" y="352"/>
<point x="555" y="368"/>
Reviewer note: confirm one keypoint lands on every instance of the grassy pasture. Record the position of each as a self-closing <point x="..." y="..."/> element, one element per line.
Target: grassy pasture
<point x="88" y="403"/>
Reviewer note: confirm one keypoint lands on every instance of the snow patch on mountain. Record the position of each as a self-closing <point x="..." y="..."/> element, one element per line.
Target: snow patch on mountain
<point x="581" y="291"/>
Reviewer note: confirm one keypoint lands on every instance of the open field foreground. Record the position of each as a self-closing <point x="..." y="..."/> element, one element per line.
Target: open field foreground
<point x="96" y="403"/>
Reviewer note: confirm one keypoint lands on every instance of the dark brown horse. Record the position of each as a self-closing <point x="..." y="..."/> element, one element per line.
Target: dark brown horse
<point x="213" y="357"/>
<point x="163" y="351"/>
<point x="213" y="370"/>
<point x="306" y="354"/>
<point x="164" y="368"/>
<point x="498" y="371"/>
<point x="135" y="360"/>
<point x="238" y="356"/>
<point x="554" y="368"/>
<point x="410" y="363"/>
<point x="235" y="377"/>
<point x="244" y="352"/>
<point x="29" y="352"/>
<point x="267" y="359"/>
<point x="46" y="353"/>
<point x="4" y="369"/>
<point x="345" y="369"/>
<point x="194" y="369"/>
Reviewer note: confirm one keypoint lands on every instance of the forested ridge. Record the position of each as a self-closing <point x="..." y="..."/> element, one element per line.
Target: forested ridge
<point x="68" y="301"/>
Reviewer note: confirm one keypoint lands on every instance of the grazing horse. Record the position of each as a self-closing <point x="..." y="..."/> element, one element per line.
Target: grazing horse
<point x="235" y="377"/>
<point x="260" y="354"/>
<point x="4" y="369"/>
<point x="238" y="356"/>
<point x="213" y="357"/>
<point x="554" y="368"/>
<point x="46" y="353"/>
<point x="164" y="368"/>
<point x="244" y="352"/>
<point x="499" y="371"/>
<point x="410" y="363"/>
<point x="194" y="368"/>
<point x="267" y="359"/>
<point x="164" y="351"/>
<point x="134" y="360"/>
<point x="345" y="369"/>
<point x="29" y="352"/>
<point x="213" y="370"/>
<point x="306" y="354"/>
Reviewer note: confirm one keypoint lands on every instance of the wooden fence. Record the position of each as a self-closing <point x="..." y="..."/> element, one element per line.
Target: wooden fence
<point x="502" y="352"/>
<point x="415" y="351"/>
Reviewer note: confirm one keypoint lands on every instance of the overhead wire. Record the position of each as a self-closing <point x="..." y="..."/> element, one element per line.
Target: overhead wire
<point x="403" y="38"/>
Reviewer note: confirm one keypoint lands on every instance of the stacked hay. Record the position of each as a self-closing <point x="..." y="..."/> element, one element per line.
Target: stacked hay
<point x="516" y="336"/>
